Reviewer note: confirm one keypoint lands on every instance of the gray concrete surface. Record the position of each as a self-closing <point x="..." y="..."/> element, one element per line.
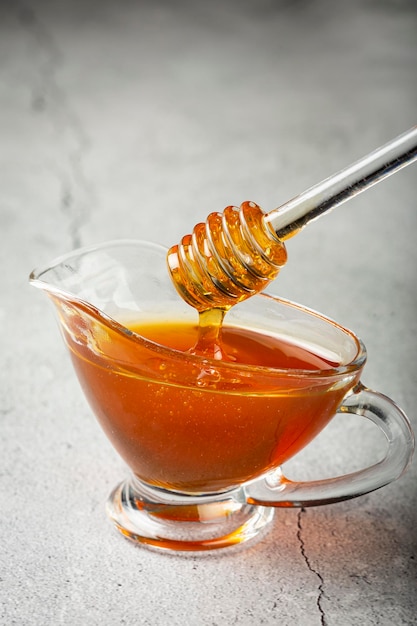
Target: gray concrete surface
<point x="137" y="119"/>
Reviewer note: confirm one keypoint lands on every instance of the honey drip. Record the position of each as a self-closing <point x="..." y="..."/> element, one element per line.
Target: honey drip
<point x="209" y="341"/>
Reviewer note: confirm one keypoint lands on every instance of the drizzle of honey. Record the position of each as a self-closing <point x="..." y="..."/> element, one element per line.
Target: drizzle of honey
<point x="209" y="341"/>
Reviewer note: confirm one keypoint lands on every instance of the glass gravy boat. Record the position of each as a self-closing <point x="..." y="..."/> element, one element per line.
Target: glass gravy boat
<point x="205" y="439"/>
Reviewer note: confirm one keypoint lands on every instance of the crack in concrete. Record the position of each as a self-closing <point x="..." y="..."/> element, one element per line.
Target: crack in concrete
<point x="320" y="596"/>
<point x="77" y="197"/>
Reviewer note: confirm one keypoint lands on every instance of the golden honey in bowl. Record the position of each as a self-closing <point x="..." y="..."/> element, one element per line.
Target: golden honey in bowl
<point x="205" y="429"/>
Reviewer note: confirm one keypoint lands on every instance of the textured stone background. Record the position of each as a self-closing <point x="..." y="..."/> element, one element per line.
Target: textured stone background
<point x="137" y="119"/>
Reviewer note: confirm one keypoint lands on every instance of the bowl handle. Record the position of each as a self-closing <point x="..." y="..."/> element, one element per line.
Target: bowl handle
<point x="274" y="489"/>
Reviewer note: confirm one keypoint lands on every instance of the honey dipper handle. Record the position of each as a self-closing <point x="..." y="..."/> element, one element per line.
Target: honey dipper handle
<point x="292" y="216"/>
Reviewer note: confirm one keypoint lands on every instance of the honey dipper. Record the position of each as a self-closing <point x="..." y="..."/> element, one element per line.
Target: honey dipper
<point x="237" y="253"/>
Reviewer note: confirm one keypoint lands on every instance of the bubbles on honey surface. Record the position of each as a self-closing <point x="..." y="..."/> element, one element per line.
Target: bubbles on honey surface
<point x="208" y="377"/>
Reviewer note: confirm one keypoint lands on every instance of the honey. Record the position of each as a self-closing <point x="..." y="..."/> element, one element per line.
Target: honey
<point x="193" y="424"/>
<point x="227" y="259"/>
